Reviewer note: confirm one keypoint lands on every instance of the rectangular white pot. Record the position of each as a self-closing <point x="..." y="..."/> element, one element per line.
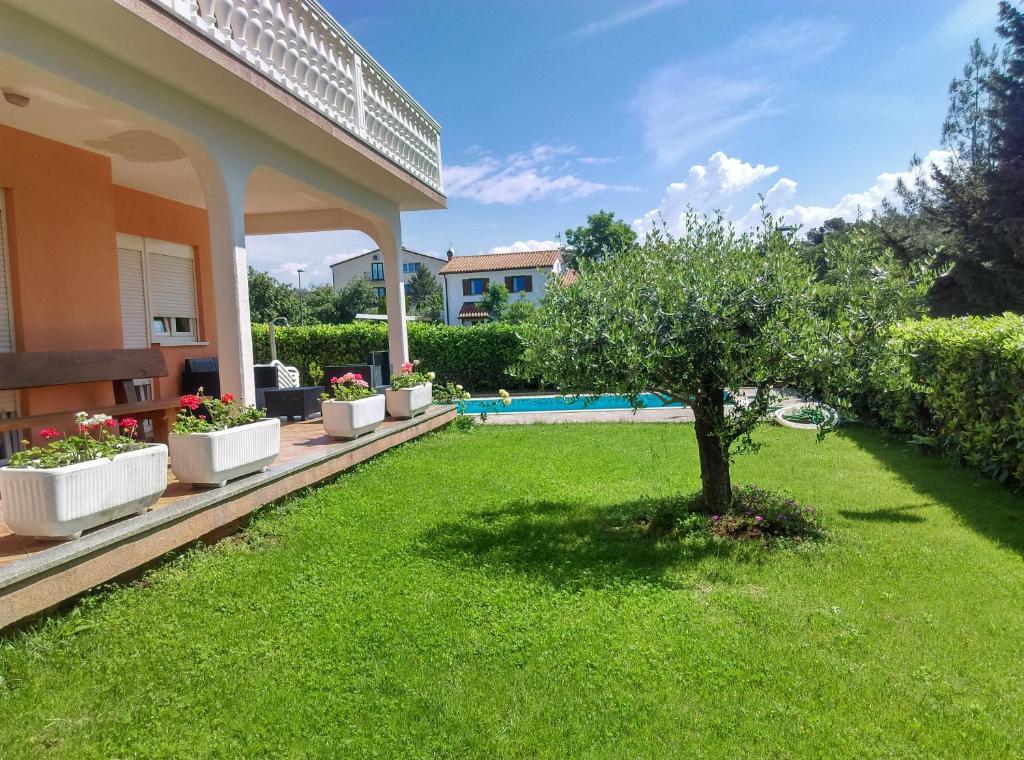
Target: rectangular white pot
<point x="351" y="419"/>
<point x="212" y="459"/>
<point x="408" y="402"/>
<point x="64" y="501"/>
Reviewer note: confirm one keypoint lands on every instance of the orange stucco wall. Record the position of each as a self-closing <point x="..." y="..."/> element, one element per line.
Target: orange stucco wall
<point x="64" y="214"/>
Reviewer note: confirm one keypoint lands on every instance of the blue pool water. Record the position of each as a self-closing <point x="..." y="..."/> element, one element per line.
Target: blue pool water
<point x="560" y="403"/>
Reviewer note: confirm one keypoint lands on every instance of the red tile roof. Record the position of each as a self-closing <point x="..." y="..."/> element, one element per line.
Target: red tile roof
<point x="471" y="310"/>
<point x="491" y="262"/>
<point x="569" y="276"/>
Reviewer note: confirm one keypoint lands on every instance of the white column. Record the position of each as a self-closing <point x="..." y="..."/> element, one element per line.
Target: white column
<point x="390" y="241"/>
<point x="225" y="205"/>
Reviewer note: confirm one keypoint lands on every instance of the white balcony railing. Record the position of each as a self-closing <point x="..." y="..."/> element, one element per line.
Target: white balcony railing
<point x="297" y="44"/>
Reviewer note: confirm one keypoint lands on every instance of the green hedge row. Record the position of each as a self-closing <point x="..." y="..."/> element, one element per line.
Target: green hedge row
<point x="478" y="357"/>
<point x="958" y="385"/>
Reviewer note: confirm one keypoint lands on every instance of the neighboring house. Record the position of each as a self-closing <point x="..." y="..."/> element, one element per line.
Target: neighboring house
<point x="143" y="140"/>
<point x="370" y="266"/>
<point x="467" y="278"/>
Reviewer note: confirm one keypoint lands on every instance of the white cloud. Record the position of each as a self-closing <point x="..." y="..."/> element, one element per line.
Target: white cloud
<point x="696" y="102"/>
<point x="732" y="186"/>
<point x="522" y="246"/>
<point x="866" y="202"/>
<point x="707" y="188"/>
<point x="622" y="18"/>
<point x="535" y="174"/>
<point x="969" y="19"/>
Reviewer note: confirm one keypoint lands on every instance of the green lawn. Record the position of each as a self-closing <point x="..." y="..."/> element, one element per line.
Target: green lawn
<point x="479" y="596"/>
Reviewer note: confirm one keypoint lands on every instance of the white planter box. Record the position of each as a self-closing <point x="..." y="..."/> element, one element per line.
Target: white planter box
<point x="64" y="501"/>
<point x="212" y="459"/>
<point x="408" y="402"/>
<point x="351" y="419"/>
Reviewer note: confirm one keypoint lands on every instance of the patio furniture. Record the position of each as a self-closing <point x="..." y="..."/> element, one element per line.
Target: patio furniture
<point x="293" y="402"/>
<point x="120" y="367"/>
<point x="202" y="373"/>
<point x="381" y="360"/>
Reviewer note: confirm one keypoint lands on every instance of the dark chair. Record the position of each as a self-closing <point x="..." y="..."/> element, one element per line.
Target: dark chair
<point x="265" y="378"/>
<point x="201" y="372"/>
<point x="380" y="360"/>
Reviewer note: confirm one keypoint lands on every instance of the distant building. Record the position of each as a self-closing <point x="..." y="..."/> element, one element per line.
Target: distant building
<point x="467" y="278"/>
<point x="370" y="266"/>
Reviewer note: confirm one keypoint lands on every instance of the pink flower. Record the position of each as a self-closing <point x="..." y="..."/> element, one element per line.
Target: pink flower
<point x="716" y="518"/>
<point x="111" y="423"/>
<point x="48" y="433"/>
<point x="190" y="401"/>
<point x="335" y="380"/>
<point x="407" y="368"/>
<point x="758" y="518"/>
<point x="357" y="376"/>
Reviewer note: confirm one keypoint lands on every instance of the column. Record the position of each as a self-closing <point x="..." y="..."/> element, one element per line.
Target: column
<point x="390" y="241"/>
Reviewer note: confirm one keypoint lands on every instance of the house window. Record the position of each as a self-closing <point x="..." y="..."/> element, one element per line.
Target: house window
<point x="520" y="283"/>
<point x="474" y="286"/>
<point x="158" y="291"/>
<point x="408" y="288"/>
<point x="381" y="292"/>
<point x="377" y="271"/>
<point x="411" y="267"/>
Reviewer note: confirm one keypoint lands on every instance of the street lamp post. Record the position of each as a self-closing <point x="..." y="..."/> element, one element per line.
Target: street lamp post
<point x="302" y="300"/>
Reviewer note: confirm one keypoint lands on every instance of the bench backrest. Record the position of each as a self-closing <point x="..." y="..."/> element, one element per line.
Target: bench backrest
<point x="37" y="369"/>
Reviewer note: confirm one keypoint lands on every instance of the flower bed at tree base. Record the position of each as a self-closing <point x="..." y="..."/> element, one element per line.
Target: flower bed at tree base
<point x="406" y="403"/>
<point x="214" y="458"/>
<point x="755" y="515"/>
<point x="351" y="419"/>
<point x="61" y="502"/>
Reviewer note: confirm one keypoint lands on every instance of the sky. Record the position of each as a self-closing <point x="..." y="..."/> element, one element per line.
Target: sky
<point x="553" y="109"/>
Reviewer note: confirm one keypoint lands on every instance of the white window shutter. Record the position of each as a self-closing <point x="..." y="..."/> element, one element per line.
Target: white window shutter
<point x="172" y="286"/>
<point x="134" y="319"/>
<point x="8" y="402"/>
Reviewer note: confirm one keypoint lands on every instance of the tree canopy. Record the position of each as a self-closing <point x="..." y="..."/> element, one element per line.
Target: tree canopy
<point x="601" y="237"/>
<point x="696" y="317"/>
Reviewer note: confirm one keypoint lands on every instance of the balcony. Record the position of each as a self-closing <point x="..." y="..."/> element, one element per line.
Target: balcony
<point x="300" y="47"/>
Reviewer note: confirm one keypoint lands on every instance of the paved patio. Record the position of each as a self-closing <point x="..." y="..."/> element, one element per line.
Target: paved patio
<point x="36" y="575"/>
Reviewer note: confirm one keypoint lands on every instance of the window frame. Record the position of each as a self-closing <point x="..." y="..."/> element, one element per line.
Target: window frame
<point x="376" y="266"/>
<point x="173" y="336"/>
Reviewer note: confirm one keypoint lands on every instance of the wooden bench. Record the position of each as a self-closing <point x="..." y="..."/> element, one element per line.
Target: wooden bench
<point x="44" y="369"/>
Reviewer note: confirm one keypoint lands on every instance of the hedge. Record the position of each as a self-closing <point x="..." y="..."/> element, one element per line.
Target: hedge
<point x="957" y="385"/>
<point x="478" y="357"/>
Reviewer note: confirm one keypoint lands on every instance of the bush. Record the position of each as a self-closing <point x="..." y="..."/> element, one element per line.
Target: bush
<point x="479" y="357"/>
<point x="957" y="385"/>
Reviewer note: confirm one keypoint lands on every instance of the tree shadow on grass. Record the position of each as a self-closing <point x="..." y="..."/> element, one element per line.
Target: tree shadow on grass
<point x="572" y="546"/>
<point x="985" y="506"/>
<point x="895" y="515"/>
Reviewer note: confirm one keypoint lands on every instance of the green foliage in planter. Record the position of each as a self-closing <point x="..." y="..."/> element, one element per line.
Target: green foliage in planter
<point x="478" y="357"/>
<point x="957" y="385"/>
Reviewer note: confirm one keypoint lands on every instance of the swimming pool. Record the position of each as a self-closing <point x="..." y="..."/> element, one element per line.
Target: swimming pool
<point x="561" y="404"/>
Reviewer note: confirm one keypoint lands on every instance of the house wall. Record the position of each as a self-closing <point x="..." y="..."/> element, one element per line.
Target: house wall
<point x="64" y="214"/>
<point x="345" y="271"/>
<point x="453" y="288"/>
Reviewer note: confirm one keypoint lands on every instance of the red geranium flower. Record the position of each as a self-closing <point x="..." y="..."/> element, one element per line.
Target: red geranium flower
<point x="111" y="423"/>
<point x="48" y="433"/>
<point x="227" y="398"/>
<point x="129" y="423"/>
<point x="190" y="401"/>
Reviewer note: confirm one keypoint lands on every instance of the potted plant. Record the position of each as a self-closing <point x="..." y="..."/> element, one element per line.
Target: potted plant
<point x="352" y="408"/>
<point x="225" y="442"/>
<point x="76" y="482"/>
<point x="411" y="392"/>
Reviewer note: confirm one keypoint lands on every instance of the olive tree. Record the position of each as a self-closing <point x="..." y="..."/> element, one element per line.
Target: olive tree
<point x="694" y="318"/>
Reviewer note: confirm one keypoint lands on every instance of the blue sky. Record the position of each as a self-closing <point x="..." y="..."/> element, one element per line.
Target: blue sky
<point x="552" y="110"/>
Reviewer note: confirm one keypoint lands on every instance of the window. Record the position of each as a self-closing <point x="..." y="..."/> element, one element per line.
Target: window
<point x="520" y="283"/>
<point x="411" y="267"/>
<point x="408" y="288"/>
<point x="158" y="291"/>
<point x="474" y="286"/>
<point x="377" y="271"/>
<point x="381" y="292"/>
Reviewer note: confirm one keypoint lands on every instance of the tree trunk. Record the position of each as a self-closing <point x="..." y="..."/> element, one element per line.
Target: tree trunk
<point x="709" y="412"/>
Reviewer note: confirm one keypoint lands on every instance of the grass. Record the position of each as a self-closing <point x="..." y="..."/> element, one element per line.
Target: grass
<point x="478" y="596"/>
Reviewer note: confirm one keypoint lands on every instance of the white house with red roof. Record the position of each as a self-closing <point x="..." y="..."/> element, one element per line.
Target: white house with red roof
<point x="467" y="278"/>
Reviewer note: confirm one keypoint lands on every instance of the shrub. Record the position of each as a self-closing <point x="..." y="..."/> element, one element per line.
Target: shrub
<point x="479" y="357"/>
<point x="99" y="437"/>
<point x="957" y="385"/>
